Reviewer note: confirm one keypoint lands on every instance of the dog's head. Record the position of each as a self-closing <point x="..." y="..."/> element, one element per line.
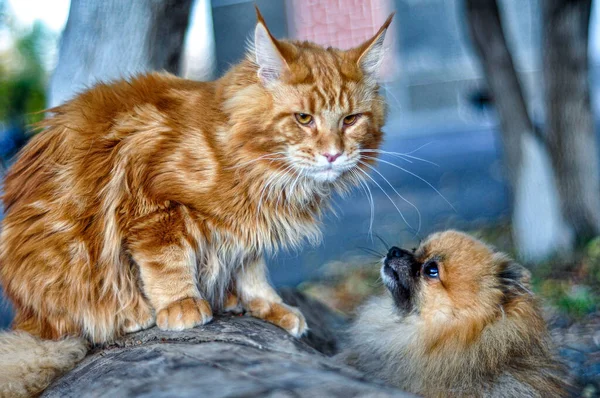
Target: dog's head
<point x="452" y="275"/>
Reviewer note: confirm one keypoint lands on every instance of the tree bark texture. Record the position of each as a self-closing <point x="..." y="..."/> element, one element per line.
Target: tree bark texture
<point x="111" y="39"/>
<point x="570" y="123"/>
<point x="488" y="37"/>
<point x="232" y="356"/>
<point x="538" y="226"/>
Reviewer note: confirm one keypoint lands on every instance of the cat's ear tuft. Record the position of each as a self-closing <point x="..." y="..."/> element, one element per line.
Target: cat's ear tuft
<point x="370" y="53"/>
<point x="271" y="63"/>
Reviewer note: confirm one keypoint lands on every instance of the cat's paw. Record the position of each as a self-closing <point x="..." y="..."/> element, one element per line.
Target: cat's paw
<point x="232" y="304"/>
<point x="130" y="326"/>
<point x="282" y="315"/>
<point x="184" y="314"/>
<point x="140" y="318"/>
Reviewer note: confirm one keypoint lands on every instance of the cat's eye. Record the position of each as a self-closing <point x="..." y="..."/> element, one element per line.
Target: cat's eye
<point x="350" y="120"/>
<point x="303" y="118"/>
<point x="431" y="270"/>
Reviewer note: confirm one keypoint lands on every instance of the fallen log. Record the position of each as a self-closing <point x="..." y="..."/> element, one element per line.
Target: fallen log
<point x="231" y="356"/>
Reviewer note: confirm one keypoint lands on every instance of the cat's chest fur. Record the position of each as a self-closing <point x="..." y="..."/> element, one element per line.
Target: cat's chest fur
<point x="227" y="249"/>
<point x="216" y="268"/>
<point x="241" y="228"/>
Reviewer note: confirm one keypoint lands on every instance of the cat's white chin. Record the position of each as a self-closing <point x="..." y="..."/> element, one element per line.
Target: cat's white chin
<point x="329" y="175"/>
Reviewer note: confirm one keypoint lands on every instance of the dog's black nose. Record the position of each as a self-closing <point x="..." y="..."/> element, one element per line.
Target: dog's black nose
<point x="396" y="252"/>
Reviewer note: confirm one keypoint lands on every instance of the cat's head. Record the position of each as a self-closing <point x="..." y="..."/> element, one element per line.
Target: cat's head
<point x="318" y="110"/>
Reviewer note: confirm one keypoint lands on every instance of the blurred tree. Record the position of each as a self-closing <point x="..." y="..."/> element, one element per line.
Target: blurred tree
<point x="538" y="226"/>
<point x="569" y="121"/>
<point x="111" y="39"/>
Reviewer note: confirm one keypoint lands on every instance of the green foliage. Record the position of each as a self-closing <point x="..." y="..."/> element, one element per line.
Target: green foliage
<point x="571" y="285"/>
<point x="22" y="87"/>
<point x="572" y="299"/>
<point x="593" y="260"/>
<point x="578" y="302"/>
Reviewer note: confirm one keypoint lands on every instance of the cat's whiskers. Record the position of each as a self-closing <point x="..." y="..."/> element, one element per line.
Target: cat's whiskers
<point x="385" y="193"/>
<point x="419" y="148"/>
<point x="415" y="175"/>
<point x="421" y="159"/>
<point x="291" y="189"/>
<point x="365" y="185"/>
<point x="367" y="191"/>
<point x="380" y="152"/>
<point x="297" y="186"/>
<point x="396" y="192"/>
<point x="404" y="156"/>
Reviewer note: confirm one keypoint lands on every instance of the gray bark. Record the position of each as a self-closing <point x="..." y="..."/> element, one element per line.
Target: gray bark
<point x="231" y="356"/>
<point x="488" y="36"/>
<point x="570" y="124"/>
<point x="112" y="39"/>
<point x="538" y="226"/>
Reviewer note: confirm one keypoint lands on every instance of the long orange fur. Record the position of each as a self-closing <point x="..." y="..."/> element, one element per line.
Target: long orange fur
<point x="154" y="200"/>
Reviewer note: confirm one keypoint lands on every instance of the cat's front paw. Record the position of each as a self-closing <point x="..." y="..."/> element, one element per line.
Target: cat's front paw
<point x="282" y="315"/>
<point x="184" y="314"/>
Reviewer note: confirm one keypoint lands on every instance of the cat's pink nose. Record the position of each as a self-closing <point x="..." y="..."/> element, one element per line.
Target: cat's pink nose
<point x="331" y="158"/>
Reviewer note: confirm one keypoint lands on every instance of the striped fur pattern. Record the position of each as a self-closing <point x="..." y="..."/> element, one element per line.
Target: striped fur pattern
<point x="153" y="200"/>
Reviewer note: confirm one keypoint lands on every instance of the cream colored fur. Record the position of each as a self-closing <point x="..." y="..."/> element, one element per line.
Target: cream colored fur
<point x="28" y="364"/>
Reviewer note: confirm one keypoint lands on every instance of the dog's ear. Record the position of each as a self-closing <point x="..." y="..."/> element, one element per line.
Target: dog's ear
<point x="514" y="279"/>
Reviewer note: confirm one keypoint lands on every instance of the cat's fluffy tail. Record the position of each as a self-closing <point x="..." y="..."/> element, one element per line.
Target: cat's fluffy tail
<point x="28" y="364"/>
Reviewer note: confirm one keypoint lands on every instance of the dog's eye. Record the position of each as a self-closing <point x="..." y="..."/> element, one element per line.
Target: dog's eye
<point x="431" y="269"/>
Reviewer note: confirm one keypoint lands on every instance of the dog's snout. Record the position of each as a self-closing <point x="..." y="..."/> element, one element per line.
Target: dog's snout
<point x="396" y="252"/>
<point x="398" y="273"/>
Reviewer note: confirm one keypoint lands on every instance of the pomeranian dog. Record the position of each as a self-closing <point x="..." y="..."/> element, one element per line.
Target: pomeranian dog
<point x="459" y="320"/>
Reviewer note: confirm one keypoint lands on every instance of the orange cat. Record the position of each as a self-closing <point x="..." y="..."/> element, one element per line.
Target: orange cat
<point x="154" y="200"/>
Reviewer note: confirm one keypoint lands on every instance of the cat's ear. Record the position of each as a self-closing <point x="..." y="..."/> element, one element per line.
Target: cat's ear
<point x="271" y="63"/>
<point x="369" y="55"/>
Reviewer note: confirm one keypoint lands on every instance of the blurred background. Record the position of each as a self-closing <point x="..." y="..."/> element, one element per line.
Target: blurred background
<point x="493" y="116"/>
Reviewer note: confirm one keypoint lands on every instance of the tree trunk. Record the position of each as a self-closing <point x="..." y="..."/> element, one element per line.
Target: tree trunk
<point x="231" y="356"/>
<point x="488" y="36"/>
<point x="570" y="123"/>
<point x="112" y="39"/>
<point x="538" y="227"/>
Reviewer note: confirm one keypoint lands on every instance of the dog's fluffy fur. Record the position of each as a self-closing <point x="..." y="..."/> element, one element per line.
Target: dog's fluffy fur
<point x="474" y="329"/>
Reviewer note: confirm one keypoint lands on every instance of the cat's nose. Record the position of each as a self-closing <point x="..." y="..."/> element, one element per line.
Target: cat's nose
<point x="331" y="158"/>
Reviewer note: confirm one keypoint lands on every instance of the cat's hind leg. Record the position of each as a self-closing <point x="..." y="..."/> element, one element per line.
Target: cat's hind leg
<point x="160" y="246"/>
<point x="262" y="301"/>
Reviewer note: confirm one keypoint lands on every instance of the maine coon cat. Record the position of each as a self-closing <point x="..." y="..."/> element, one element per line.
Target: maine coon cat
<point x="154" y="200"/>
